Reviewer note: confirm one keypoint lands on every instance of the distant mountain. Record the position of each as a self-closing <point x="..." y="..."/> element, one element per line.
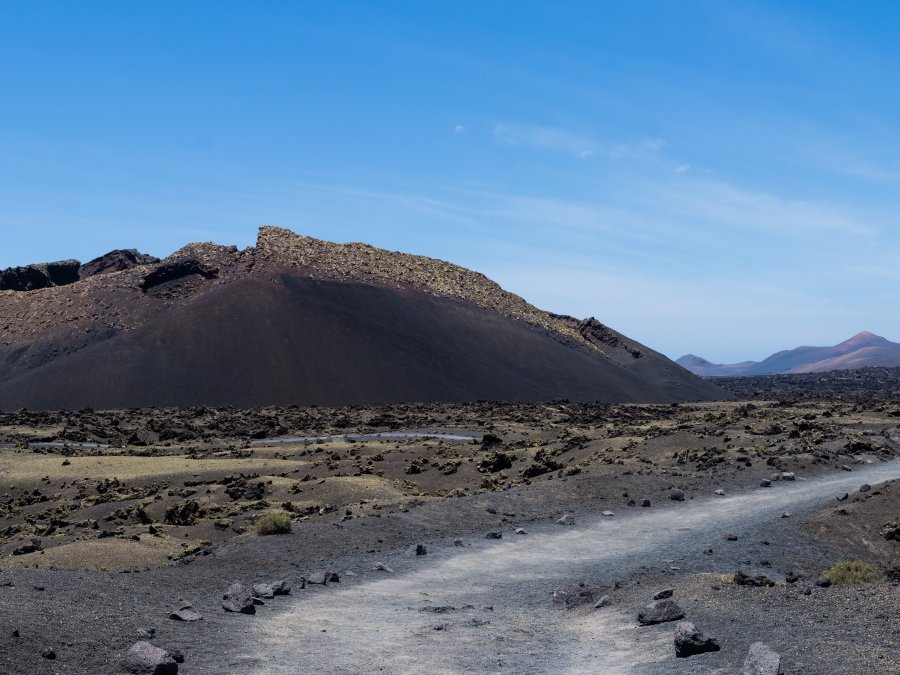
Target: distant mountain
<point x="295" y="320"/>
<point x="862" y="350"/>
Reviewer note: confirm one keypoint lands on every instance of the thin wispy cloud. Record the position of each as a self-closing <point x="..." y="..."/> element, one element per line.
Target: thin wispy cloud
<point x="732" y="206"/>
<point x="546" y="138"/>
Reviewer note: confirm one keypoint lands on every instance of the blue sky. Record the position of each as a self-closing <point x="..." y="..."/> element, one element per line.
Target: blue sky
<point x="710" y="177"/>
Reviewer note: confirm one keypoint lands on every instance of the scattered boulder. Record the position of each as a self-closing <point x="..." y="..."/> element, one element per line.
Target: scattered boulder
<point x="520" y="530"/>
<point x="689" y="641"/>
<point x="845" y="467"/>
<point x="765" y="482"/>
<point x="381" y="567"/>
<point x="421" y="550"/>
<point x="573" y="596"/>
<point x="146" y="633"/>
<point x="761" y="660"/>
<point x="660" y="611"/>
<point x="865" y="487"/>
<point x="28" y="547"/>
<point x="608" y="514"/>
<point x="145" y="659"/>
<point x="603" y="602"/>
<point x="788" y="475"/>
<point x="743" y="579"/>
<point x="676" y="495"/>
<point x="720" y="492"/>
<point x="730" y="537"/>
<point x="186" y="612"/>
<point x="645" y="503"/>
<point x="663" y="594"/>
<point x="323" y="578"/>
<point x="496" y="461"/>
<point x="49" y="654"/>
<point x="824" y="582"/>
<point x="264" y="591"/>
<point x="494" y="535"/>
<point x="891" y="531"/>
<point x="238" y="598"/>
<point x="567" y="519"/>
<point x="283" y="587"/>
<point x="183" y="514"/>
<point x="844" y="497"/>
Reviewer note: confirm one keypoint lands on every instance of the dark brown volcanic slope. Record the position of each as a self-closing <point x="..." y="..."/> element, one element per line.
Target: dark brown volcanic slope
<point x="861" y="351"/>
<point x="300" y="321"/>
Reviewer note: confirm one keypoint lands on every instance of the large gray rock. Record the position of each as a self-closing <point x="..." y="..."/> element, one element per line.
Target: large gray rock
<point x="145" y="659"/>
<point x="238" y="598"/>
<point x="761" y="660"/>
<point x="660" y="611"/>
<point x="690" y="641"/>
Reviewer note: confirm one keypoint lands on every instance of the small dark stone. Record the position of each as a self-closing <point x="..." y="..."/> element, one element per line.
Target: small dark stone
<point x="421" y="550"/>
<point x="49" y="653"/>
<point x="665" y="593"/>
<point x="573" y="596"/>
<point x="676" y="495"/>
<point x="645" y="503"/>
<point x="494" y="535"/>
<point x="690" y="641"/>
<point x="824" y="582"/>
<point x="742" y="579"/>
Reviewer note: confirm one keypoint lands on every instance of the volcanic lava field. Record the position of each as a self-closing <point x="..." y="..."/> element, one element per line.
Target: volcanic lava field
<point x="110" y="518"/>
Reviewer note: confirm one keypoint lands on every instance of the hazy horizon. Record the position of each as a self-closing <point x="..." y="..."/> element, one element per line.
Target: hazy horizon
<point x="705" y="178"/>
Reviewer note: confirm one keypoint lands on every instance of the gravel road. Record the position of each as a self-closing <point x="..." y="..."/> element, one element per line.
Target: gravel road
<point x="486" y="606"/>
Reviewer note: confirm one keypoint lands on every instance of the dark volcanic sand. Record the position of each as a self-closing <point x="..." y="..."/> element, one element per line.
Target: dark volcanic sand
<point x="361" y="503"/>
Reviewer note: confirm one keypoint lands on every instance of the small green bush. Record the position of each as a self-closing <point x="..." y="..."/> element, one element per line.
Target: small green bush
<point x="855" y="572"/>
<point x="274" y="522"/>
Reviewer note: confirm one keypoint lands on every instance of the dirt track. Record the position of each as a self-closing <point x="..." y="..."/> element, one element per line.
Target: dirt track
<point x="389" y="623"/>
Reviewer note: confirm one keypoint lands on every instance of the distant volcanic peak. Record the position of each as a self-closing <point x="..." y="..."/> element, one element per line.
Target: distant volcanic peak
<point x="368" y="264"/>
<point x="693" y="359"/>
<point x="862" y="350"/>
<point x="865" y="338"/>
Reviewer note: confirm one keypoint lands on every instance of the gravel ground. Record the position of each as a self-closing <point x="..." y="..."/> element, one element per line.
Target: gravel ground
<point x="90" y="618"/>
